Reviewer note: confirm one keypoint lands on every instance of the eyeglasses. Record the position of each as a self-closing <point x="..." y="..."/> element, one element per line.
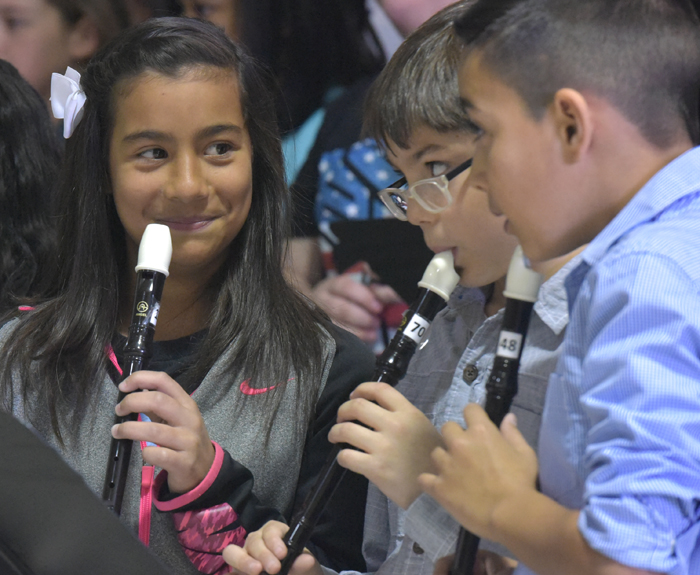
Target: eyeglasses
<point x="432" y="194"/>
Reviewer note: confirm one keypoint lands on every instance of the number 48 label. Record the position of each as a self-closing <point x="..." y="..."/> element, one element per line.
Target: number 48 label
<point x="509" y="343"/>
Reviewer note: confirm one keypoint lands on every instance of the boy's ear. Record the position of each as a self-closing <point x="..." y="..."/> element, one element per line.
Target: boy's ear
<point x="573" y="123"/>
<point x="83" y="39"/>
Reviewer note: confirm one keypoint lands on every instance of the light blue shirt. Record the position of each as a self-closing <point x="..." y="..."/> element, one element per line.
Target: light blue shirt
<point x="620" y="437"/>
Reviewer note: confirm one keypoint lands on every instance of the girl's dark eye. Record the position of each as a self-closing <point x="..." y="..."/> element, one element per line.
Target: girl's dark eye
<point x="218" y="149"/>
<point x="154" y="154"/>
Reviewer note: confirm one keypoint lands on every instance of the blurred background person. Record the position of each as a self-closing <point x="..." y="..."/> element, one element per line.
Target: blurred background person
<point x="40" y="37"/>
<point x="339" y="180"/>
<point x="314" y="49"/>
<point x="29" y="166"/>
<point x="141" y="10"/>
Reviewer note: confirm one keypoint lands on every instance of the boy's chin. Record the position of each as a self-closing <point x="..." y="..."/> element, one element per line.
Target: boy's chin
<point x="463" y="278"/>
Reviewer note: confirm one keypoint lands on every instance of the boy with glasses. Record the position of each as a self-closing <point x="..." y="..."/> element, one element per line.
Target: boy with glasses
<point x="432" y="194"/>
<point x="414" y="109"/>
<point x="588" y="132"/>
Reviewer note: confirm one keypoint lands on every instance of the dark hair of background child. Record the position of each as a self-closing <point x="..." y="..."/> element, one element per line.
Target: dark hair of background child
<point x="310" y="46"/>
<point x="30" y="156"/>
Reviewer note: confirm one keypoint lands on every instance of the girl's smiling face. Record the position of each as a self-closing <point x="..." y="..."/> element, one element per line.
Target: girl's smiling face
<point x="180" y="155"/>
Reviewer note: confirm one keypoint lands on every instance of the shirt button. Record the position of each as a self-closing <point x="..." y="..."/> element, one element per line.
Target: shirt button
<point x="470" y="373"/>
<point x="417" y="549"/>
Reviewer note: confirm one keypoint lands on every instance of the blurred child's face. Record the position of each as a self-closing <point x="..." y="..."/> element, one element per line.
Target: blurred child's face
<point x="518" y="161"/>
<point x="180" y="155"/>
<point x="219" y="12"/>
<point x="482" y="250"/>
<point x="407" y="15"/>
<point x="36" y="39"/>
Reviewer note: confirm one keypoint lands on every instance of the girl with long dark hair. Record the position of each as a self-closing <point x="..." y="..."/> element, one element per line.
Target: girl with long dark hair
<point x="178" y="128"/>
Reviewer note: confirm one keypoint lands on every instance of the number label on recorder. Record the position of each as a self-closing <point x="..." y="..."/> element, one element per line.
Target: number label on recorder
<point x="509" y="344"/>
<point x="416" y="328"/>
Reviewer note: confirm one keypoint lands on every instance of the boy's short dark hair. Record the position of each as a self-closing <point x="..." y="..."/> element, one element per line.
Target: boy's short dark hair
<point x="643" y="56"/>
<point x="419" y="84"/>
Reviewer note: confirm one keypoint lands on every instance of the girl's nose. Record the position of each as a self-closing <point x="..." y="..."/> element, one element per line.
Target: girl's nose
<point x="187" y="182"/>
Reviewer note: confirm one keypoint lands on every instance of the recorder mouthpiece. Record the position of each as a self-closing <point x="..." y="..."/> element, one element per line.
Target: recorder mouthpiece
<point x="522" y="283"/>
<point x="155" y="249"/>
<point x="440" y="275"/>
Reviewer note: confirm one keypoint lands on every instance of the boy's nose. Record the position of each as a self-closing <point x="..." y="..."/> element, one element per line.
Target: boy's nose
<point x="187" y="182"/>
<point x="417" y="214"/>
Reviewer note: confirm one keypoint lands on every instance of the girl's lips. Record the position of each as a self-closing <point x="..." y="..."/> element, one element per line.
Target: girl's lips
<point x="187" y="224"/>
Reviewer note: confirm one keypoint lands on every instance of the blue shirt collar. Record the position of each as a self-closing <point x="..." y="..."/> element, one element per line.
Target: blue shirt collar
<point x="551" y="305"/>
<point x="674" y="181"/>
<point x="552" y="301"/>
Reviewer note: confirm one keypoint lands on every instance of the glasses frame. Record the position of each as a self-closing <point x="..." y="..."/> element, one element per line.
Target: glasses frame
<point x="388" y="194"/>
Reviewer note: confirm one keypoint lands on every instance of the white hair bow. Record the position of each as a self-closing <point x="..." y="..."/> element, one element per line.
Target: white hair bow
<point x="67" y="99"/>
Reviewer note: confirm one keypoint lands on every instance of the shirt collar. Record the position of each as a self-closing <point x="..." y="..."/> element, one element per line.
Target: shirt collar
<point x="674" y="181"/>
<point x="552" y="303"/>
<point x="462" y="296"/>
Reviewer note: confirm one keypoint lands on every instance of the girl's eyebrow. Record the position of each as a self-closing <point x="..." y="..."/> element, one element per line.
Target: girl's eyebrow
<point x="207" y="132"/>
<point x="218" y="129"/>
<point x="146" y="135"/>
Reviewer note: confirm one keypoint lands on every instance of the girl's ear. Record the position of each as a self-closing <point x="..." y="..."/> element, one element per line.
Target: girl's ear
<point x="83" y="39"/>
<point x="573" y="123"/>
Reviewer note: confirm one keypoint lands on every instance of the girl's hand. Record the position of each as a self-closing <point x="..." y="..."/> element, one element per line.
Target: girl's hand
<point x="480" y="469"/>
<point x="263" y="550"/>
<point x="183" y="449"/>
<point x="396" y="445"/>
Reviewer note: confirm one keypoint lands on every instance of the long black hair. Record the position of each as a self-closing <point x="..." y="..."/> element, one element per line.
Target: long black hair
<point x="30" y="156"/>
<point x="59" y="350"/>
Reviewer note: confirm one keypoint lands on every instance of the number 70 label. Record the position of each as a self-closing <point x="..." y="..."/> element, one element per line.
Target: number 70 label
<point x="417" y="328"/>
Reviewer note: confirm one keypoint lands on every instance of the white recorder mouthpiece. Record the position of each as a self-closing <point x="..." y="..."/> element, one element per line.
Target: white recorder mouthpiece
<point x="155" y="249"/>
<point x="440" y="275"/>
<point x="522" y="283"/>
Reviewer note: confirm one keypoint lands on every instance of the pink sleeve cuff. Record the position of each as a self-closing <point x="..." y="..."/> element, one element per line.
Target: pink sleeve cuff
<point x="202" y="539"/>
<point x="190" y="496"/>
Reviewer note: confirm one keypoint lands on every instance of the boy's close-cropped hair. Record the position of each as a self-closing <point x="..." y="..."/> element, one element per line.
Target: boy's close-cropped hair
<point x="252" y="302"/>
<point x="643" y="56"/>
<point x="418" y="87"/>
